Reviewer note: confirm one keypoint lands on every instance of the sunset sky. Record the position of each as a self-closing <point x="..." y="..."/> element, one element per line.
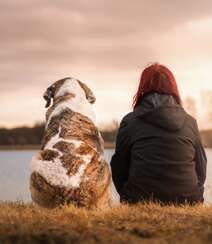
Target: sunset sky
<point x="106" y="44"/>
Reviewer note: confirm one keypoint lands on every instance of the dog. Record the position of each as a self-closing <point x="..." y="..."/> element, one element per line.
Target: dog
<point x="70" y="167"/>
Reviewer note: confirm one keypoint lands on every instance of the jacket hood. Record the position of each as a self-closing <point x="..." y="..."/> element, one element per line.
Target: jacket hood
<point x="162" y="111"/>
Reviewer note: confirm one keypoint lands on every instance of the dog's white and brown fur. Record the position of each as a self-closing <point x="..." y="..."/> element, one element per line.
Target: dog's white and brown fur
<point x="70" y="167"/>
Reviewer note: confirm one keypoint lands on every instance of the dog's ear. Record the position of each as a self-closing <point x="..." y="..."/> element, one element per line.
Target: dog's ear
<point x="88" y="93"/>
<point x="48" y="95"/>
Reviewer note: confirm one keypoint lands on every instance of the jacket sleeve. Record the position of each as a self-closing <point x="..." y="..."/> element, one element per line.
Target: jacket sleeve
<point x="121" y="158"/>
<point x="200" y="159"/>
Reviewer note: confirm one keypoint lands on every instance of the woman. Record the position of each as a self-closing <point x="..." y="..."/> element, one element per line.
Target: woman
<point x="159" y="155"/>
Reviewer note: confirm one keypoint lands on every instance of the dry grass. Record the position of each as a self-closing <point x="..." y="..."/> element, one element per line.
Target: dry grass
<point x="146" y="223"/>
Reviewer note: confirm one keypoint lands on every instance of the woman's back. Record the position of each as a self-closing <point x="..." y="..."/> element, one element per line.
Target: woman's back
<point x="163" y="140"/>
<point x="159" y="154"/>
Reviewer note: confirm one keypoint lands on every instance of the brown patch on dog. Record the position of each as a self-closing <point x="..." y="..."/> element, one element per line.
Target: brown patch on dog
<point x="43" y="193"/>
<point x="59" y="83"/>
<point x="63" y="98"/>
<point x="94" y="191"/>
<point x="52" y="90"/>
<point x="88" y="93"/>
<point x="102" y="186"/>
<point x="71" y="163"/>
<point x="50" y="132"/>
<point x="84" y="149"/>
<point x="64" y="147"/>
<point x="55" y="123"/>
<point x="69" y="159"/>
<point x="84" y="196"/>
<point x="48" y="155"/>
<point x="56" y="102"/>
<point x="79" y="127"/>
<point x="92" y="169"/>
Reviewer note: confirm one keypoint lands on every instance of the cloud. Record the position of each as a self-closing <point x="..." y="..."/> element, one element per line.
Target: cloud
<point x="94" y="40"/>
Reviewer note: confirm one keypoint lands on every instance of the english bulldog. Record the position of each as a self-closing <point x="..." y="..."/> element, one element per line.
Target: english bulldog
<point x="70" y="167"/>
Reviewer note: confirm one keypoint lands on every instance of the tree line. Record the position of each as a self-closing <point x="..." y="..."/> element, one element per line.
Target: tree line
<point x="33" y="135"/>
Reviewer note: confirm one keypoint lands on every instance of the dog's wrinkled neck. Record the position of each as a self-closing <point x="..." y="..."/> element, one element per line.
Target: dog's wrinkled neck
<point x="75" y="102"/>
<point x="63" y="98"/>
<point x="70" y="86"/>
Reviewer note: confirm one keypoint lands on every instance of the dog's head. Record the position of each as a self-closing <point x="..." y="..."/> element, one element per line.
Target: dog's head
<point x="68" y="86"/>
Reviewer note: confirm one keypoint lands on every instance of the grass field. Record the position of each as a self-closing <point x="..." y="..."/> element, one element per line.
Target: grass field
<point x="143" y="223"/>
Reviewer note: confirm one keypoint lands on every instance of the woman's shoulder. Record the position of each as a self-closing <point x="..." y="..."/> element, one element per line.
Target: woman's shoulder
<point x="127" y="118"/>
<point x="128" y="121"/>
<point x="190" y="119"/>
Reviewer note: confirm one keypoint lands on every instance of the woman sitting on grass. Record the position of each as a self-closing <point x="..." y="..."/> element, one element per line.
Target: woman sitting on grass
<point x="159" y="155"/>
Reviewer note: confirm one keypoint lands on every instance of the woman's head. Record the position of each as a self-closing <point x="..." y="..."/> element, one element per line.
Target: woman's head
<point x="156" y="78"/>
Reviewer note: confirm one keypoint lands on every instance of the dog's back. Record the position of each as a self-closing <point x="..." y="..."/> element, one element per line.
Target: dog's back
<point x="70" y="167"/>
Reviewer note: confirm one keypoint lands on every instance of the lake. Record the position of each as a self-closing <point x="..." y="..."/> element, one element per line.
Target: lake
<point x="14" y="174"/>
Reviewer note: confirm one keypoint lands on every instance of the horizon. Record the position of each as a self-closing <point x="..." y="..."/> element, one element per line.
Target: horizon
<point x="106" y="45"/>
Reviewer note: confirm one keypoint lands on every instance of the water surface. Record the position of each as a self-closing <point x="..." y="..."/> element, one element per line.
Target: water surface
<point x="14" y="174"/>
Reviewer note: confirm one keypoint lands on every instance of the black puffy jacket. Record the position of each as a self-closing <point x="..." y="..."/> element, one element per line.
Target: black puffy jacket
<point x="159" y="155"/>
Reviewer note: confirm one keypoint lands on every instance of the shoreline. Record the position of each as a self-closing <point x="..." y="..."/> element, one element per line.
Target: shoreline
<point x="107" y="145"/>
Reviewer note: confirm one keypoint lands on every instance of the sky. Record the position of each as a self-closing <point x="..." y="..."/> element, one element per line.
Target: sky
<point x="105" y="44"/>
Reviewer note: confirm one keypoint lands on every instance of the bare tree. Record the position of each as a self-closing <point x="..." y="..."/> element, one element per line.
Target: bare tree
<point x="190" y="106"/>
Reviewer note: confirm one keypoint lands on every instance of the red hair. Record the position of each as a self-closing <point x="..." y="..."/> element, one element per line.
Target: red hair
<point x="156" y="78"/>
